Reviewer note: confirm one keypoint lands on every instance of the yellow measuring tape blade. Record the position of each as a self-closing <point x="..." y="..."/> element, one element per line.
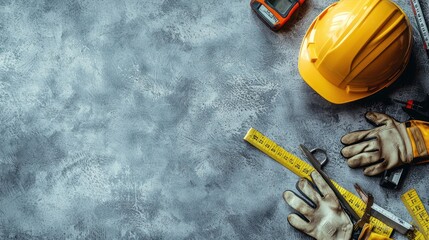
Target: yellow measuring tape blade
<point x="418" y="212"/>
<point x="416" y="235"/>
<point x="303" y="169"/>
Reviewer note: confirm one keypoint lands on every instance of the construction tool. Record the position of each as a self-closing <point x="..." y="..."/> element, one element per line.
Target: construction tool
<point x="275" y="13"/>
<point x="393" y="178"/>
<point x="303" y="169"/>
<point x="423" y="29"/>
<point x="318" y="167"/>
<point x="420" y="216"/>
<point x="417" y="110"/>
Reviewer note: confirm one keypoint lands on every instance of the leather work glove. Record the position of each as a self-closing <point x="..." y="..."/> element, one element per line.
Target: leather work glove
<point x="326" y="218"/>
<point x="388" y="145"/>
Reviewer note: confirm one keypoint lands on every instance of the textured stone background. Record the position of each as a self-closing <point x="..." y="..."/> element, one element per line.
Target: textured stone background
<point x="125" y="119"/>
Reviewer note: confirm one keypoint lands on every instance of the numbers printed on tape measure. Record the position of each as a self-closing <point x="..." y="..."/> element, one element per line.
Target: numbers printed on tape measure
<point x="419" y="214"/>
<point x="416" y="235"/>
<point x="303" y="169"/>
<point x="359" y="206"/>
<point x="299" y="167"/>
<point x="421" y="22"/>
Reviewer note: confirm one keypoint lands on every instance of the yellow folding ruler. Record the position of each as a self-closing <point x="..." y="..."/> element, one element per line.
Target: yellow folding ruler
<point x="303" y="169"/>
<point x="419" y="214"/>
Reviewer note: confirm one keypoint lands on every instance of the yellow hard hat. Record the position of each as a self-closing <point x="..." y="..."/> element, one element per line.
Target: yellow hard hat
<point x="355" y="48"/>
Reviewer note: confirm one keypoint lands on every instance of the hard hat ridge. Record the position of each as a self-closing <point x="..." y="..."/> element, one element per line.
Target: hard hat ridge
<point x="355" y="48"/>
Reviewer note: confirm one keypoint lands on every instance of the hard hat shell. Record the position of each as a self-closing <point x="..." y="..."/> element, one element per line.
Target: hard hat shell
<point x="355" y="48"/>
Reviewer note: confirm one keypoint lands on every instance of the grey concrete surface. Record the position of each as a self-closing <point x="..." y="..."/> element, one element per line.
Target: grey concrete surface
<point x="125" y="119"/>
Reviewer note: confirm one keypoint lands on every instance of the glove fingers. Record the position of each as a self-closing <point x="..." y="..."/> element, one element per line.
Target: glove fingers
<point x="355" y="137"/>
<point x="306" y="188"/>
<point x="298" y="204"/>
<point x="378" y="118"/>
<point x="363" y="159"/>
<point x="376" y="169"/>
<point x="321" y="184"/>
<point x="299" y="223"/>
<point x="355" y="149"/>
<point x="387" y="163"/>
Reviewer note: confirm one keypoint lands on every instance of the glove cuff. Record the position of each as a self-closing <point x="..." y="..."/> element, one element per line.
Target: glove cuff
<point x="408" y="142"/>
<point x="418" y="133"/>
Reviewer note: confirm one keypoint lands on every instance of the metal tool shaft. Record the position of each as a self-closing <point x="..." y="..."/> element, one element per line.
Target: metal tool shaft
<point x="318" y="167"/>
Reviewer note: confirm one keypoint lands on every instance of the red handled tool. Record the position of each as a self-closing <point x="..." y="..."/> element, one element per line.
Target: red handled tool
<point x="415" y="109"/>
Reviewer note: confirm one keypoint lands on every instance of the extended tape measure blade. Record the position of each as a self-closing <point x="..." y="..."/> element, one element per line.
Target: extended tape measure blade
<point x="285" y="158"/>
<point x="418" y="212"/>
<point x="423" y="29"/>
<point x="416" y="235"/>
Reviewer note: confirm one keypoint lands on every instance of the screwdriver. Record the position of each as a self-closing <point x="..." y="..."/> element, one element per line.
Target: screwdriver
<point x="415" y="109"/>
